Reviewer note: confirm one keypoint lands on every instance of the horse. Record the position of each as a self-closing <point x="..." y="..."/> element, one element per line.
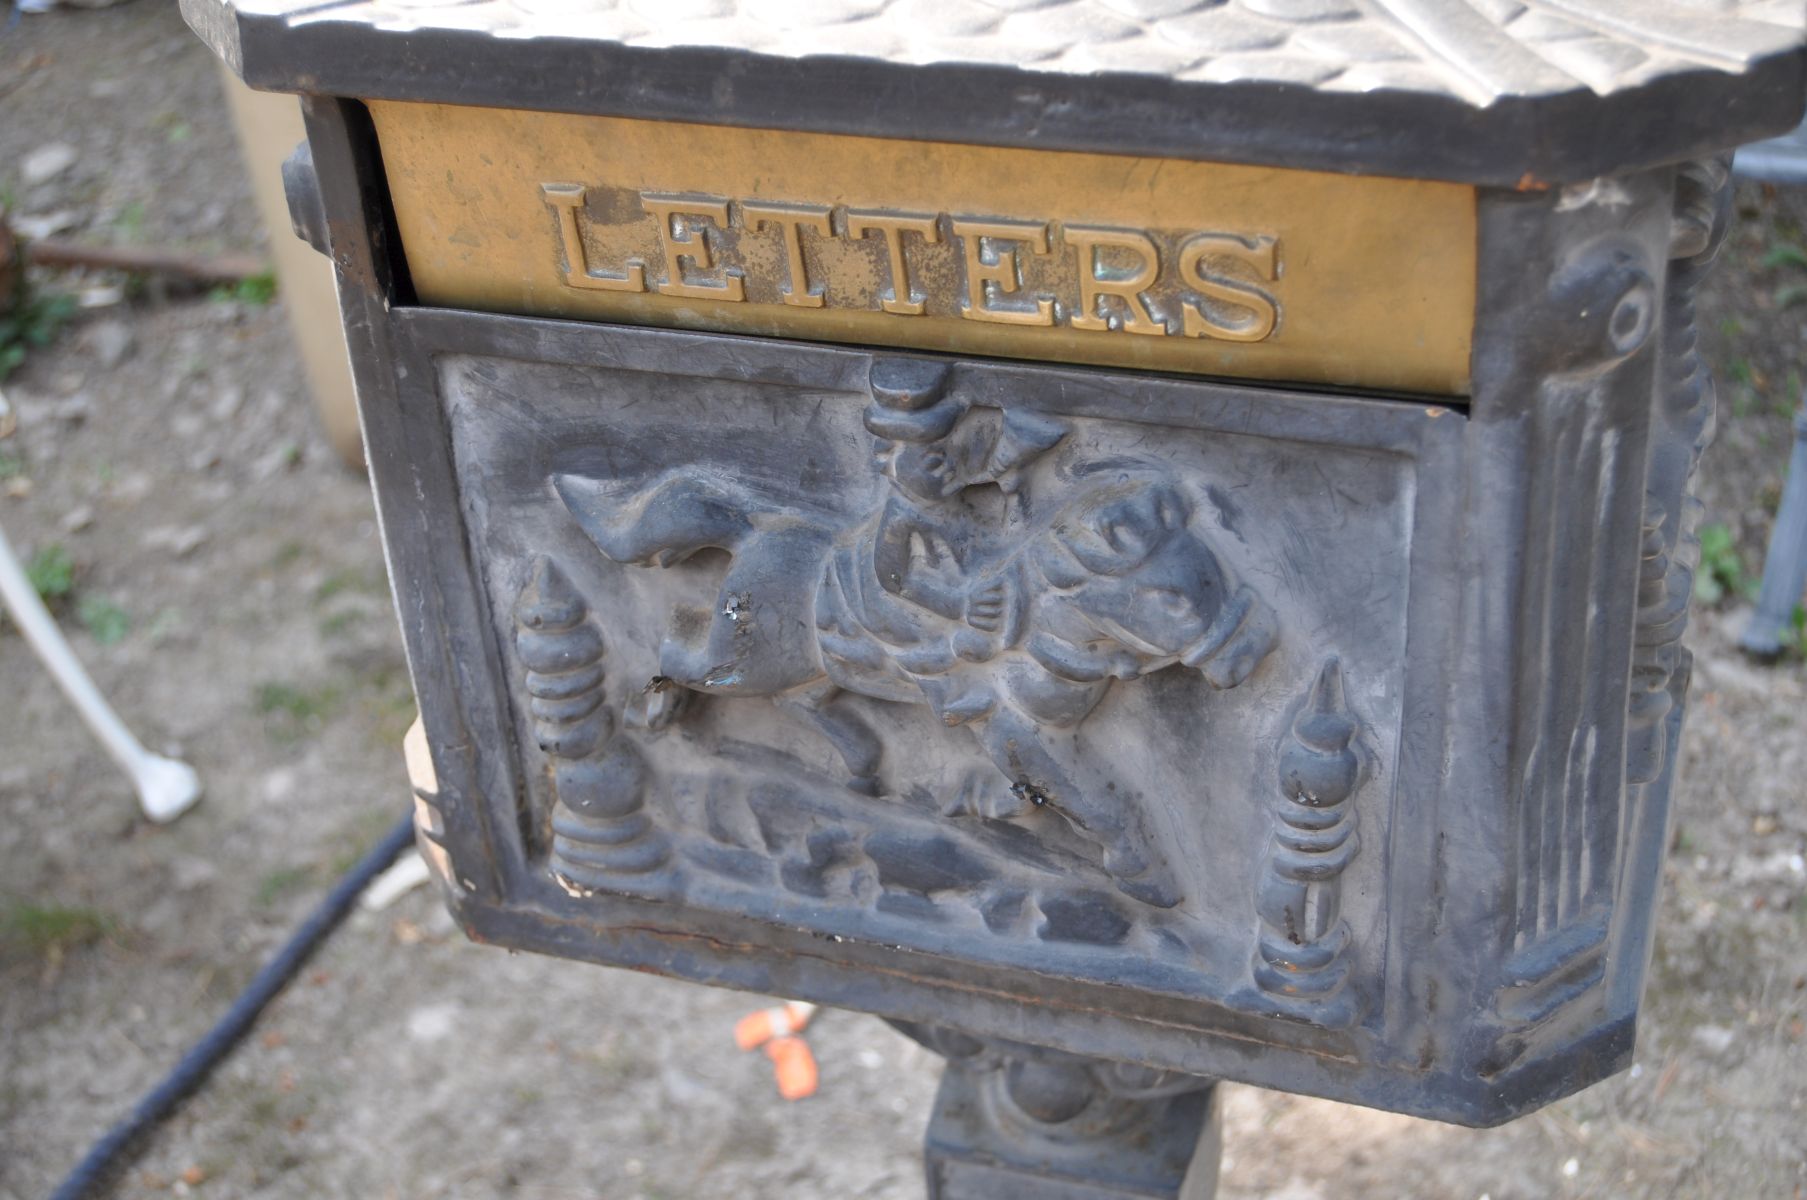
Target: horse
<point x="1115" y="584"/>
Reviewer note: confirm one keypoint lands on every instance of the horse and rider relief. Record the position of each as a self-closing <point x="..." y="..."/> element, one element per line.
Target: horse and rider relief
<point x="1002" y="571"/>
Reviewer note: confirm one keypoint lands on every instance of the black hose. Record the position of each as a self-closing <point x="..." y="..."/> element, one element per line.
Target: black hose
<point x="109" y="1153"/>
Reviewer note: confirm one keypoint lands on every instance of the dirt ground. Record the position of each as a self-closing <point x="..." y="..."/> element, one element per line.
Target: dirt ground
<point x="228" y="592"/>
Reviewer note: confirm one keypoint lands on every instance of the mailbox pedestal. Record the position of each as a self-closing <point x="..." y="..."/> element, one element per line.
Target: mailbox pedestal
<point x="1144" y="542"/>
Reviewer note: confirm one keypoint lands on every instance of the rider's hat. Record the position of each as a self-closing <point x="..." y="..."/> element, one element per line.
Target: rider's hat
<point x="910" y="401"/>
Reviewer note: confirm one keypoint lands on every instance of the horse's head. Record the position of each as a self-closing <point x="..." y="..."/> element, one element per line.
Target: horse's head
<point x="1130" y="581"/>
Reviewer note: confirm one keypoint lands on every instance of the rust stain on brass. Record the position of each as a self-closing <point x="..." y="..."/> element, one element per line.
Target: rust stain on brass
<point x="1199" y="268"/>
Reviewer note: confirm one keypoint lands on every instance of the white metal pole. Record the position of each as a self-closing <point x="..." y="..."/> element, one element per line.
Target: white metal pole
<point x="166" y="788"/>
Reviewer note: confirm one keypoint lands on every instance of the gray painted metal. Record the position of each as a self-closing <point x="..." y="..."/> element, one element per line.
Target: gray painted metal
<point x="1778" y="160"/>
<point x="1386" y="829"/>
<point x="1014" y="1122"/>
<point x="1785" y="565"/>
<point x="1514" y="93"/>
<point x="1113" y="733"/>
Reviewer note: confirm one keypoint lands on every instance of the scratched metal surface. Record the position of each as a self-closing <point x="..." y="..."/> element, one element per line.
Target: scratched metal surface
<point x="1477" y="50"/>
<point x="1484" y="91"/>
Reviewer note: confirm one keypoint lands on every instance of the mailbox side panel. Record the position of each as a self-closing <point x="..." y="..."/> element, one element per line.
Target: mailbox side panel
<point x="1590" y="411"/>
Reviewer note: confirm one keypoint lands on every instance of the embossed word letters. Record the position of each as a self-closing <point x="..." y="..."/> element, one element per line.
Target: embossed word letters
<point x="1212" y="285"/>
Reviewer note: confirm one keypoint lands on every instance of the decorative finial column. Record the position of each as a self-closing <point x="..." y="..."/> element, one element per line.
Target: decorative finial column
<point x="1300" y="959"/>
<point x="600" y="828"/>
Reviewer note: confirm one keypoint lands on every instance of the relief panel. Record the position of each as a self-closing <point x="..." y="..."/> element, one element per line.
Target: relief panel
<point x="919" y="658"/>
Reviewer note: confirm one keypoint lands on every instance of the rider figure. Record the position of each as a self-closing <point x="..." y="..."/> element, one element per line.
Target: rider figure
<point x="927" y="544"/>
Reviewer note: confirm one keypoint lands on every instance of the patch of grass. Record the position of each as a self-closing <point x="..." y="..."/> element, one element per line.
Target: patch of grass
<point x="301" y="704"/>
<point x="1784" y="254"/>
<point x="104" y="620"/>
<point x="350" y="579"/>
<point x="288" y="553"/>
<point x="52" y="574"/>
<point x="1722" y="570"/>
<point x="1797" y="630"/>
<point x="282" y="882"/>
<point x="355" y="838"/>
<point x="130" y="225"/>
<point x="11" y="465"/>
<point x="163" y="623"/>
<point x="1783" y="399"/>
<point x="293" y="711"/>
<point x="339" y="622"/>
<point x="172" y="126"/>
<point x="42" y="929"/>
<point x="390" y="711"/>
<point x="31" y="325"/>
<point x="254" y="291"/>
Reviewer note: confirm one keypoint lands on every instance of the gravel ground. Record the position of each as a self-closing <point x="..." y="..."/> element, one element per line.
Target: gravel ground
<point x="228" y="592"/>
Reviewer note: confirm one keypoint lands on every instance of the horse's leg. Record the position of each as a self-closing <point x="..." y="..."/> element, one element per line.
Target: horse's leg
<point x="1137" y="867"/>
<point x="852" y="738"/>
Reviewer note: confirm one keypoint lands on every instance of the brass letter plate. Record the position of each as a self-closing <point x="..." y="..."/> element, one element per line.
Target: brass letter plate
<point x="1167" y="265"/>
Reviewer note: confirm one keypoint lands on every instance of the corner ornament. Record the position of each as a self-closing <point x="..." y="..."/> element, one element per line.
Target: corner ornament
<point x="1301" y="959"/>
<point x="601" y="832"/>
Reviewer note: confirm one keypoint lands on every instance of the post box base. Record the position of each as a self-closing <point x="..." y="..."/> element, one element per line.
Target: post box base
<point x="1011" y="1123"/>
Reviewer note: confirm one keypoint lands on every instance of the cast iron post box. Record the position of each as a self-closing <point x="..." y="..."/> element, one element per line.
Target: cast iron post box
<point x="1144" y="541"/>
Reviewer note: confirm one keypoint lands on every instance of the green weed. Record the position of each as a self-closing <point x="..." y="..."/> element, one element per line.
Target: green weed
<point x="40" y="929"/>
<point x="104" y="620"/>
<point x="52" y="574"/>
<point x="130" y="224"/>
<point x="1785" y="254"/>
<point x="297" y="704"/>
<point x="282" y="882"/>
<point x="354" y="839"/>
<point x="292" y="712"/>
<point x="390" y="710"/>
<point x="163" y="623"/>
<point x="254" y="291"/>
<point x="351" y="579"/>
<point x="1721" y="566"/>
<point x="31" y="325"/>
